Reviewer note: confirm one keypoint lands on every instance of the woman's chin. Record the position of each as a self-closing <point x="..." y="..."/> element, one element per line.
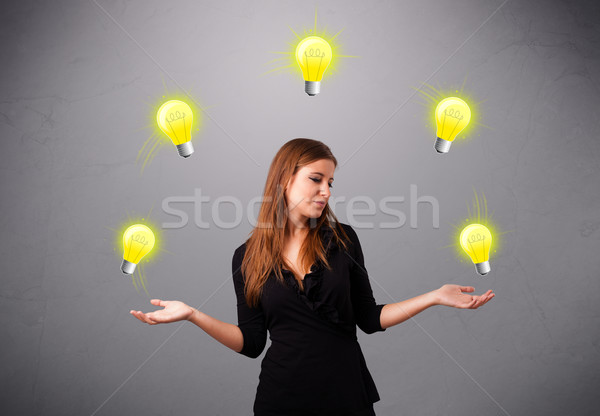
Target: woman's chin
<point x="318" y="214"/>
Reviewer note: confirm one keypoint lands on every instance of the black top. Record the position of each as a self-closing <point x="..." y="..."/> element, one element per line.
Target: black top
<point x="314" y="365"/>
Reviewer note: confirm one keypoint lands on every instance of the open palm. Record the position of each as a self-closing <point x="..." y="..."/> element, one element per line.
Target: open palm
<point x="454" y="296"/>
<point x="173" y="311"/>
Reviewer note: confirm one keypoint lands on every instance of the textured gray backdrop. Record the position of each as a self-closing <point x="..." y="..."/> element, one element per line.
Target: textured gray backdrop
<point x="80" y="80"/>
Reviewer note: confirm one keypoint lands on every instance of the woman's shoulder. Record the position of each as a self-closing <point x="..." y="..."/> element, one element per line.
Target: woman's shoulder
<point x="349" y="231"/>
<point x="238" y="254"/>
<point x="241" y="248"/>
<point x="346" y="227"/>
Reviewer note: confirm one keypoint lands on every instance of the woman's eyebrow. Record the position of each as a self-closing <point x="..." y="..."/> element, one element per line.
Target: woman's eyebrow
<point x="319" y="173"/>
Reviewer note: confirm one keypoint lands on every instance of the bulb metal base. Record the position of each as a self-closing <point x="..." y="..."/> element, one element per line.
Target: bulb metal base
<point x="442" y="146"/>
<point x="185" y="149"/>
<point x="312" y="88"/>
<point x="483" y="268"/>
<point x="128" y="267"/>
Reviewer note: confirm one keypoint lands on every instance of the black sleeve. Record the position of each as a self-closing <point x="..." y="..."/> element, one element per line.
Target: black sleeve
<point x="366" y="312"/>
<point x="251" y="321"/>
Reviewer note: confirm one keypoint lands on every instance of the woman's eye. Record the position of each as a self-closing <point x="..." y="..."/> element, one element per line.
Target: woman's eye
<point x="319" y="180"/>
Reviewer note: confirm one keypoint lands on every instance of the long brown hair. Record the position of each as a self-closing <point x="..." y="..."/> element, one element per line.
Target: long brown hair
<point x="265" y="245"/>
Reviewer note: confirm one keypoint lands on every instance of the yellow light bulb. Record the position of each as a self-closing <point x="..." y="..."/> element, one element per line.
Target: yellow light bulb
<point x="138" y="240"/>
<point x="313" y="54"/>
<point x="476" y="240"/>
<point x="175" y="119"/>
<point x="452" y="115"/>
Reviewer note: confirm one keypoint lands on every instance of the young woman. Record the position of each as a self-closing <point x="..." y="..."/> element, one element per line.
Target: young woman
<point x="301" y="277"/>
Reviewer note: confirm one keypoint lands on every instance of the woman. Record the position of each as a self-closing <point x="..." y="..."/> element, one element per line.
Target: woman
<point x="301" y="277"/>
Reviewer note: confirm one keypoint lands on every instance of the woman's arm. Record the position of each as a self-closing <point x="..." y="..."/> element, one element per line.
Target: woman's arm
<point x="174" y="311"/>
<point x="247" y="338"/>
<point x="227" y="334"/>
<point x="448" y="295"/>
<point x="396" y="313"/>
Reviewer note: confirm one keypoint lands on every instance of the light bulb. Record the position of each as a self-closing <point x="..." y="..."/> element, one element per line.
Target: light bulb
<point x="138" y="240"/>
<point x="476" y="240"/>
<point x="313" y="54"/>
<point x="175" y="119"/>
<point x="451" y="116"/>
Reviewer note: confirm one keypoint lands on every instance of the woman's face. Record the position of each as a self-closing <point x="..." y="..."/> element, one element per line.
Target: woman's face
<point x="308" y="190"/>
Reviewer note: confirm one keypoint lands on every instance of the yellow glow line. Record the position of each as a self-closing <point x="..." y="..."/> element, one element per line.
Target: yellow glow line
<point x="153" y="155"/>
<point x="278" y="69"/>
<point x="463" y="85"/>
<point x="142" y="280"/>
<point x="485" y="205"/>
<point x="478" y="208"/>
<point x="284" y="58"/>
<point x="433" y="99"/>
<point x="438" y="92"/>
<point x="149" y="153"/>
<point x="164" y="84"/>
<point x="142" y="149"/>
<point x="299" y="38"/>
<point x="335" y="36"/>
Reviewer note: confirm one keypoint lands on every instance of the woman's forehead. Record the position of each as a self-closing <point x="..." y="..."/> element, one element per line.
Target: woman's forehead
<point x="325" y="167"/>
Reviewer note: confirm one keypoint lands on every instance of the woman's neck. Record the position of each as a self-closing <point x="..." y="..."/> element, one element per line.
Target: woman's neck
<point x="296" y="231"/>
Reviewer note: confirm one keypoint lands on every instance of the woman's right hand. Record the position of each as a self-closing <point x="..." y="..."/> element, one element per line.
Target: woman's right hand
<point x="173" y="311"/>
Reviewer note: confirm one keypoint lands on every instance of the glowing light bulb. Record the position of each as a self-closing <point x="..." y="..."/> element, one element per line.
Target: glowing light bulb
<point x="476" y="240"/>
<point x="138" y="240"/>
<point x="313" y="54"/>
<point x="452" y="115"/>
<point x="175" y="119"/>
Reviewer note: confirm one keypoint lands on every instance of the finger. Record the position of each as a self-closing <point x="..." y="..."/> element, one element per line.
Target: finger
<point x="473" y="304"/>
<point x="134" y="313"/>
<point x="156" y="302"/>
<point x="144" y="318"/>
<point x="150" y="318"/>
<point x="467" y="288"/>
<point x="476" y="302"/>
<point x="482" y="300"/>
<point x="486" y="298"/>
<point x="469" y="304"/>
<point x="139" y="316"/>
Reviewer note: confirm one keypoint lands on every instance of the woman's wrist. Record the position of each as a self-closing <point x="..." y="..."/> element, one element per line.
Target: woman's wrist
<point x="433" y="298"/>
<point x="193" y="314"/>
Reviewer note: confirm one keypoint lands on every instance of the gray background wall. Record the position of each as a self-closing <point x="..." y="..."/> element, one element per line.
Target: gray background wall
<point x="79" y="84"/>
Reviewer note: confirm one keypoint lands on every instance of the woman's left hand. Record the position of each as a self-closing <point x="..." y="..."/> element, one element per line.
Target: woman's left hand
<point x="454" y="296"/>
